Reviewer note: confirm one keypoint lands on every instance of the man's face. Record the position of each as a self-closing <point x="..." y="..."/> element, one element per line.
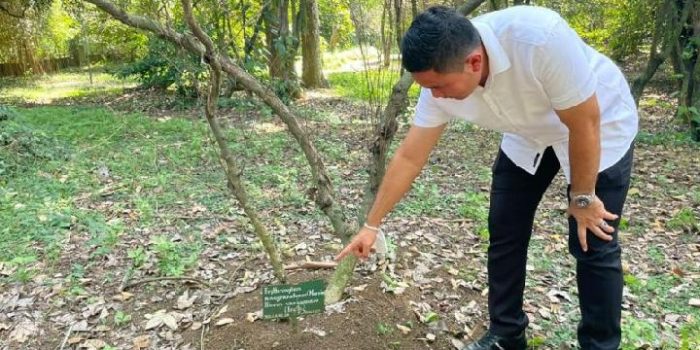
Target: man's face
<point x="457" y="85"/>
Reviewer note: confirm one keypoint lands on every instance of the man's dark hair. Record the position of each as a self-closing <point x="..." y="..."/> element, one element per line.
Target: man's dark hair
<point x="440" y="39"/>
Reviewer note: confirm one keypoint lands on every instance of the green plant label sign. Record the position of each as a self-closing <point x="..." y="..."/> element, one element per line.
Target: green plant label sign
<point x="287" y="300"/>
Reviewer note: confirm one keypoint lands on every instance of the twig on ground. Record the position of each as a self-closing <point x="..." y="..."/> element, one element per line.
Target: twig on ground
<point x="201" y="337"/>
<point x="171" y="278"/>
<point x="65" y="338"/>
<point x="312" y="265"/>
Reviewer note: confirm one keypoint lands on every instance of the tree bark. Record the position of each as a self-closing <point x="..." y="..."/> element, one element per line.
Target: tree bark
<point x="282" y="47"/>
<point x="688" y="53"/>
<point x="398" y="14"/>
<point x="386" y="34"/>
<point x="231" y="168"/>
<point x="470" y="6"/>
<point x="312" y="74"/>
<point x="666" y="35"/>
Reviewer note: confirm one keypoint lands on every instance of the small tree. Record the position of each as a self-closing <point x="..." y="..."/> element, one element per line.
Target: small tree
<point x="201" y="46"/>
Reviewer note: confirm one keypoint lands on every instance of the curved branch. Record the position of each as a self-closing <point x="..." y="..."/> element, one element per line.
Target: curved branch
<point x="324" y="195"/>
<point x="470" y="6"/>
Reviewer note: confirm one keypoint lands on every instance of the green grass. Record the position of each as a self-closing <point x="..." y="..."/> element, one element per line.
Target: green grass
<point x="685" y="219"/>
<point x="44" y="89"/>
<point x="150" y="167"/>
<point x="426" y="199"/>
<point x="654" y="297"/>
<point x="371" y="86"/>
<point x="675" y="138"/>
<point x="148" y="172"/>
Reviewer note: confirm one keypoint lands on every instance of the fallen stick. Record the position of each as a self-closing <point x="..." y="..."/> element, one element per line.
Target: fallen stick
<point x="312" y="265"/>
<point x="65" y="339"/>
<point x="171" y="278"/>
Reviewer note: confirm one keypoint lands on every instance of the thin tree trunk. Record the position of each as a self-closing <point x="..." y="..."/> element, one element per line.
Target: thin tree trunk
<point x="280" y="44"/>
<point x="250" y="42"/>
<point x="688" y="52"/>
<point x="386" y="34"/>
<point x="695" y="121"/>
<point x="312" y="74"/>
<point x="398" y="14"/>
<point x="666" y="39"/>
<point x="231" y="168"/>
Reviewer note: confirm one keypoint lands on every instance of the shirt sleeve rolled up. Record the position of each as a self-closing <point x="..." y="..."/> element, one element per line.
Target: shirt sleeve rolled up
<point x="562" y="67"/>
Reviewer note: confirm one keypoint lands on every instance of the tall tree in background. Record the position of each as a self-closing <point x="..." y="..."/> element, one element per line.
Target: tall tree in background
<point x="282" y="47"/>
<point x="386" y="32"/>
<point x="21" y="25"/>
<point x="312" y="73"/>
<point x="677" y="38"/>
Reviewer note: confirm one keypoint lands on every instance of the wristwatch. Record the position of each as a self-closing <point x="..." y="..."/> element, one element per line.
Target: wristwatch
<point x="583" y="200"/>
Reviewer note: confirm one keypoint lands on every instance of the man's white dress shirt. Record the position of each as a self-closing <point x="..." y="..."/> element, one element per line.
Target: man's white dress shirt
<point x="538" y="64"/>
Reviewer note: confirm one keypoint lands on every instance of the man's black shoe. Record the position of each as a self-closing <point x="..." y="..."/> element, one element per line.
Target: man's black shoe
<point x="491" y="341"/>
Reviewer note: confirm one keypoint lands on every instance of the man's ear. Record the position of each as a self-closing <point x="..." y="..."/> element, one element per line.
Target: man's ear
<point x="474" y="62"/>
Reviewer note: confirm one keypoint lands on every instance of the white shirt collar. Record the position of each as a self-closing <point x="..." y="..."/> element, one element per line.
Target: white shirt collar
<point x="498" y="59"/>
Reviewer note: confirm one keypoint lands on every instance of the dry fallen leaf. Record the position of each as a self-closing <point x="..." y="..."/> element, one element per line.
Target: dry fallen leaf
<point x="196" y="325"/>
<point x="161" y="318"/>
<point x="185" y="301"/>
<point x="123" y="296"/>
<point x="93" y="344"/>
<point x="253" y="316"/>
<point x="694" y="302"/>
<point x="404" y="330"/>
<point x="221" y="311"/>
<point x="224" y="321"/>
<point x="142" y="342"/>
<point x="23" y="331"/>
<point x="319" y="332"/>
<point x="81" y="326"/>
<point x="75" y="340"/>
<point x="360" y="288"/>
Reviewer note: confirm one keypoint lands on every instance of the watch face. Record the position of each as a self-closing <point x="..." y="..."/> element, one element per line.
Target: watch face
<point x="582" y="201"/>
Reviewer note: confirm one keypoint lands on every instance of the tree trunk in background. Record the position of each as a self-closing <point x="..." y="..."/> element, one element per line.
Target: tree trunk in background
<point x="677" y="31"/>
<point x="386" y="34"/>
<point x="688" y="54"/>
<point x="689" y="47"/>
<point x="397" y="22"/>
<point x="517" y="2"/>
<point x="282" y="47"/>
<point x="662" y="45"/>
<point x="312" y="73"/>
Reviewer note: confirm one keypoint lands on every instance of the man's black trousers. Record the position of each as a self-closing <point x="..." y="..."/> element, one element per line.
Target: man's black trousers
<point x="515" y="195"/>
